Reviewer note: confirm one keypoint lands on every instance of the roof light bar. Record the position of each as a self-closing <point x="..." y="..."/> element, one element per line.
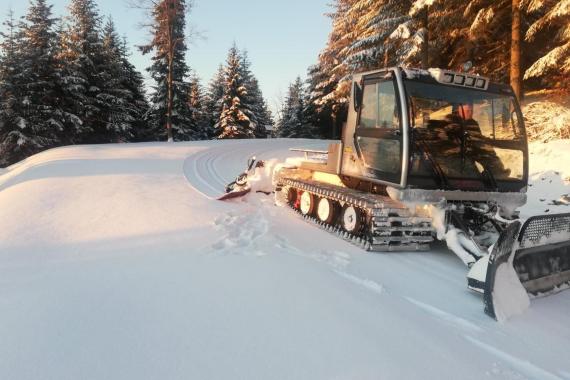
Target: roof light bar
<point x="470" y="81"/>
<point x="460" y="79"/>
<point x="480" y="83"/>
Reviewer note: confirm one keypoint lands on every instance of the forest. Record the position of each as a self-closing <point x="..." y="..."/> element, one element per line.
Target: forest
<point x="69" y="79"/>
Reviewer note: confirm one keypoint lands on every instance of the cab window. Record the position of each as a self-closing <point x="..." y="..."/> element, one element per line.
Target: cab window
<point x="379" y="107"/>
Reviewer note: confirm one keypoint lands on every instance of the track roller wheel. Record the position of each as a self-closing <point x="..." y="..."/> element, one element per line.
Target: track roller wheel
<point x="327" y="210"/>
<point x="351" y="219"/>
<point x="292" y="196"/>
<point x="308" y="203"/>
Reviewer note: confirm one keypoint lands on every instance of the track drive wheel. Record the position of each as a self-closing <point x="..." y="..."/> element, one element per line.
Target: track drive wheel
<point x="308" y="203"/>
<point x="351" y="219"/>
<point x="327" y="210"/>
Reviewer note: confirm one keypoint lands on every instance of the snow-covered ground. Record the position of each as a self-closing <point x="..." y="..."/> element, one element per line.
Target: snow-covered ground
<point x="116" y="264"/>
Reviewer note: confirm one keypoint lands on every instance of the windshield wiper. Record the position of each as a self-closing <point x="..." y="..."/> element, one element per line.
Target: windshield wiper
<point x="442" y="179"/>
<point x="487" y="175"/>
<point x="463" y="137"/>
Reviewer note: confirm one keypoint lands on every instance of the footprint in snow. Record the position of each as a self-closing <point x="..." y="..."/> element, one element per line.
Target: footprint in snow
<point x="240" y="233"/>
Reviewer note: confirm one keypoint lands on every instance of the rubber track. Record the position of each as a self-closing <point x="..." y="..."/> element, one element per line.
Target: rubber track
<point x="390" y="226"/>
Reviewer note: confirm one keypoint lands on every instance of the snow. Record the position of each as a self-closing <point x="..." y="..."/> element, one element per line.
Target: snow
<point x="418" y="5"/>
<point x="549" y="174"/>
<point x="546" y="120"/>
<point x="478" y="271"/>
<point x="481" y="21"/>
<point x="455" y="241"/>
<point x="114" y="265"/>
<point x="509" y="296"/>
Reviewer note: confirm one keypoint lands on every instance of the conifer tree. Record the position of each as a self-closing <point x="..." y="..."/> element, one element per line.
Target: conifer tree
<point x="133" y="83"/>
<point x="294" y="122"/>
<point x="115" y="98"/>
<point x="319" y="109"/>
<point x="377" y="38"/>
<point x="169" y="108"/>
<point x="197" y="105"/>
<point x="333" y="82"/>
<point x="253" y="102"/>
<point x="72" y="86"/>
<point x="214" y="102"/>
<point x="234" y="121"/>
<point x="84" y="54"/>
<point x="550" y="29"/>
<point x="40" y="76"/>
<point x="31" y="113"/>
<point x="12" y="140"/>
<point x="263" y="117"/>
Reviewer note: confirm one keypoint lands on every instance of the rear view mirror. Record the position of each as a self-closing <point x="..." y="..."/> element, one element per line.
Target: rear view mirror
<point x="356" y="96"/>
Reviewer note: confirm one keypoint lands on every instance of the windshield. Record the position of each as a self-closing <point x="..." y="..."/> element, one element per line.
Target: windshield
<point x="465" y="133"/>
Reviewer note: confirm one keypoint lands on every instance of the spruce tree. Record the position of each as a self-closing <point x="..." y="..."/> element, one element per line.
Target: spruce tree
<point x="214" y="102"/>
<point x="169" y="112"/>
<point x="197" y="105"/>
<point x="294" y="122"/>
<point x="13" y="141"/>
<point x="122" y="93"/>
<point x="259" y="108"/>
<point x="319" y="109"/>
<point x="234" y="102"/>
<point x="133" y="83"/>
<point x="41" y="75"/>
<point x="72" y="86"/>
<point x="90" y="77"/>
<point x="30" y="115"/>
<point x="234" y="121"/>
<point x="115" y="98"/>
<point x="550" y="33"/>
<point x="333" y="82"/>
<point x="253" y="102"/>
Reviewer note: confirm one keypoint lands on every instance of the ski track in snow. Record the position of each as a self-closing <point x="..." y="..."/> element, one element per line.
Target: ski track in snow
<point x="188" y="287"/>
<point x="365" y="283"/>
<point x="527" y="368"/>
<point x="445" y="316"/>
<point x="204" y="172"/>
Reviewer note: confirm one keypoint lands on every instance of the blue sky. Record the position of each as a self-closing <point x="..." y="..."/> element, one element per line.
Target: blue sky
<point x="282" y="37"/>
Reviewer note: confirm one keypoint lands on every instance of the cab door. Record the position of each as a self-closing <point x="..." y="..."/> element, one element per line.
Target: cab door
<point x="378" y="134"/>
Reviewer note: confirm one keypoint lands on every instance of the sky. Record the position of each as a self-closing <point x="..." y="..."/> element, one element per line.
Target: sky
<point x="283" y="38"/>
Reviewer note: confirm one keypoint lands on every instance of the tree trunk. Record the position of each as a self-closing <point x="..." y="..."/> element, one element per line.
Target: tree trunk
<point x="425" y="39"/>
<point x="169" y="101"/>
<point x="515" y="75"/>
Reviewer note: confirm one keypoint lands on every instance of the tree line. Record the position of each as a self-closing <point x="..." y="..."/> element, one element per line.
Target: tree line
<point x="70" y="81"/>
<point x="524" y="42"/>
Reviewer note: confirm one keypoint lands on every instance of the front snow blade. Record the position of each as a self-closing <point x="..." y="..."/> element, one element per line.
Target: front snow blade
<point x="542" y="259"/>
<point x="530" y="261"/>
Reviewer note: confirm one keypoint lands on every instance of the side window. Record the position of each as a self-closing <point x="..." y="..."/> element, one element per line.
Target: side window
<point x="505" y="120"/>
<point x="379" y="107"/>
<point x="369" y="109"/>
<point x="388" y="108"/>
